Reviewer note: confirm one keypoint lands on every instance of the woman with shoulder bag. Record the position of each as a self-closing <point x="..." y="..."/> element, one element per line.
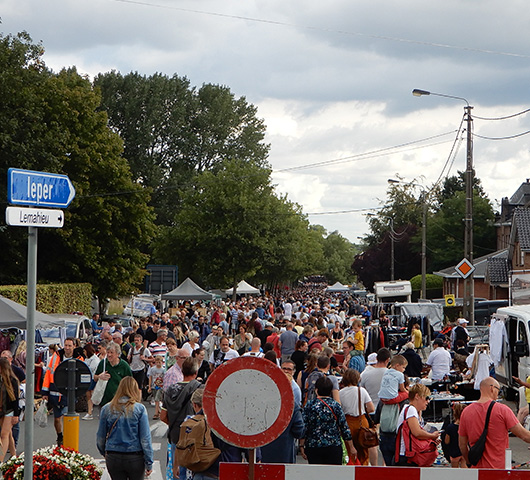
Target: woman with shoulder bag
<point x="124" y="437"/>
<point x="326" y="427"/>
<point x="414" y="445"/>
<point x="355" y="413"/>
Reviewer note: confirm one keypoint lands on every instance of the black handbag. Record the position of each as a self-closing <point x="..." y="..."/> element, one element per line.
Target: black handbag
<point x="476" y="451"/>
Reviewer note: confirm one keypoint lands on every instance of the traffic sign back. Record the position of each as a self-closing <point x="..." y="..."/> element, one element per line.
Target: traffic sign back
<point x="43" y="189"/>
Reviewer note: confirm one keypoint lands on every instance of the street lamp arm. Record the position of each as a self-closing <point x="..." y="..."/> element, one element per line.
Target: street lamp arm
<point x="420" y="93"/>
<point x="469" y="282"/>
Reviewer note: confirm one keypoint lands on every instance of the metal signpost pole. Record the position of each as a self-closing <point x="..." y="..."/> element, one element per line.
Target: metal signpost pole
<point x="43" y="190"/>
<point x="30" y="360"/>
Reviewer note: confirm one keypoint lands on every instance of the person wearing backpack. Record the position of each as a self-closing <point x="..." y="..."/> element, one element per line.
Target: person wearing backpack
<point x="176" y="406"/>
<point x="321" y="371"/>
<point x="212" y="450"/>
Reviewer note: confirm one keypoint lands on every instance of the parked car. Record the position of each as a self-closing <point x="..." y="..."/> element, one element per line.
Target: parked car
<point x="77" y="326"/>
<point x="484" y="309"/>
<point x="140" y="305"/>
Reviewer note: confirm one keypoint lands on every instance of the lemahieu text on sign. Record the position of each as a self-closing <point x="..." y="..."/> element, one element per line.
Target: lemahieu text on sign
<point x="34" y="217"/>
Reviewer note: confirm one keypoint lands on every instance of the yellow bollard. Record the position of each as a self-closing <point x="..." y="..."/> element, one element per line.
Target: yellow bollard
<point x="71" y="431"/>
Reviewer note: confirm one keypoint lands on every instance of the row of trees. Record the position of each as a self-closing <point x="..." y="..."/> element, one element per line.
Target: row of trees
<point x="444" y="227"/>
<point x="164" y="173"/>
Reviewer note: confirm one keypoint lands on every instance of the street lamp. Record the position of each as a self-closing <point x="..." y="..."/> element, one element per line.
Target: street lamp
<point x="392" y="238"/>
<point x="469" y="283"/>
<point x="423" y="294"/>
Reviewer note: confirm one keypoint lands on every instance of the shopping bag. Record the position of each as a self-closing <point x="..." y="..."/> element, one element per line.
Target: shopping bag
<point x="41" y="417"/>
<point x="99" y="391"/>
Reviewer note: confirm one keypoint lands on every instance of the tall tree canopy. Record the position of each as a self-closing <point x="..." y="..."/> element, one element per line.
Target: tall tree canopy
<point x="50" y="122"/>
<point x="172" y="131"/>
<point x="232" y="226"/>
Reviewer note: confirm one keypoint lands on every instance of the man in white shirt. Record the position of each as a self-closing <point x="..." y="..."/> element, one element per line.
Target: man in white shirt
<point x="439" y="360"/>
<point x="223" y="354"/>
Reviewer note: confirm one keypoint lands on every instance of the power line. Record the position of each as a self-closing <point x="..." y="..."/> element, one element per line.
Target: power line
<point x="501" y="138"/>
<point x="369" y="155"/>
<point x="452" y="155"/>
<point x="502" y="118"/>
<point x="330" y="30"/>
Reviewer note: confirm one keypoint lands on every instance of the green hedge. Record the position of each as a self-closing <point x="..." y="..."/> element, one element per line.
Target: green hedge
<point x="431" y="282"/>
<point x="54" y="298"/>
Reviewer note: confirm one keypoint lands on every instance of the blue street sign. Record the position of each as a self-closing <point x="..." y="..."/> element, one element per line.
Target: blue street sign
<point x="43" y="189"/>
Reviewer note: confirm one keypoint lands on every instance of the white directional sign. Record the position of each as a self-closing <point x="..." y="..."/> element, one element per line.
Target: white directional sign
<point x="34" y="217"/>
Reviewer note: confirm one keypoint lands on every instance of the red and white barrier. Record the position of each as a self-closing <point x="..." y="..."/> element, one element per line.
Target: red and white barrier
<point x="239" y="471"/>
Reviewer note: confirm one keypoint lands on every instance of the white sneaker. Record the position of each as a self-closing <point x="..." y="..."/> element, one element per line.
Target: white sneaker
<point x="88" y="417"/>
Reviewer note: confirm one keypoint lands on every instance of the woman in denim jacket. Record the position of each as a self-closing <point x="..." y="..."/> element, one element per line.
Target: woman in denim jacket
<point x="123" y="435"/>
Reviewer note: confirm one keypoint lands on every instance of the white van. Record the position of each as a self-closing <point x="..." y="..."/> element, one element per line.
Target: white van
<point x="515" y="351"/>
<point x="76" y="326"/>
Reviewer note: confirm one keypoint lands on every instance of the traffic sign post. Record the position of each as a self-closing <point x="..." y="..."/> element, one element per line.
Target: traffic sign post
<point x="72" y="378"/>
<point x="43" y="189"/>
<point x="35" y="189"/>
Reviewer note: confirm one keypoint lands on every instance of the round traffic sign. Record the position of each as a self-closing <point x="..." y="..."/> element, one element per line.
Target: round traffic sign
<point x="248" y="401"/>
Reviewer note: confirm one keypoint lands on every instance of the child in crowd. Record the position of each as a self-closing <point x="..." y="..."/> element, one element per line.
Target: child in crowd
<point x="417" y="337"/>
<point x="393" y="388"/>
<point x="358" y="338"/>
<point x="156" y="383"/>
<point x="451" y="438"/>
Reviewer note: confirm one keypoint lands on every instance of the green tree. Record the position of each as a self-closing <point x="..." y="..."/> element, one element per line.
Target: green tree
<point x="339" y="254"/>
<point x="399" y="219"/>
<point x="221" y="232"/>
<point x="52" y="124"/>
<point x="445" y="229"/>
<point x="172" y="131"/>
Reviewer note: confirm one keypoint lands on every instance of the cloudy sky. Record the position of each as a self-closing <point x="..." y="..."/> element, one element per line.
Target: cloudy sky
<point x="332" y="80"/>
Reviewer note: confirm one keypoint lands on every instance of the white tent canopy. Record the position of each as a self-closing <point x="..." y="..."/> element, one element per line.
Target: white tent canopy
<point x="338" y="287"/>
<point x="187" y="290"/>
<point x="244" y="288"/>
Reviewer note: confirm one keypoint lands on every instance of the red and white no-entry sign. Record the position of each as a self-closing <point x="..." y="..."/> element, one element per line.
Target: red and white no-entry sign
<point x="248" y="402"/>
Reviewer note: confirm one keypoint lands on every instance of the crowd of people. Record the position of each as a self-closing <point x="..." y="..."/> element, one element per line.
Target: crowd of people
<point x="341" y="392"/>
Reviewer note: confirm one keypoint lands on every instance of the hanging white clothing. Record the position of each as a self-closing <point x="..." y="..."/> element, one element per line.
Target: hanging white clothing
<point x="483" y="367"/>
<point x="498" y="338"/>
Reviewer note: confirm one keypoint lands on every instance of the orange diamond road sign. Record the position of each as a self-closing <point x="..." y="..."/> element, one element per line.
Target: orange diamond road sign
<point x="465" y="268"/>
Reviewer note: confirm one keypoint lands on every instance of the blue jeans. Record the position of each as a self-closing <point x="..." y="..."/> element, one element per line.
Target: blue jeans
<point x="387" y="445"/>
<point x="171" y="458"/>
